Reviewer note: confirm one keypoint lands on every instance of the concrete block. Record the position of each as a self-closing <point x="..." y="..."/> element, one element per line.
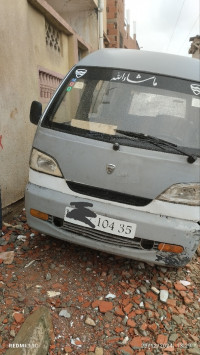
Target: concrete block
<point x="35" y="335"/>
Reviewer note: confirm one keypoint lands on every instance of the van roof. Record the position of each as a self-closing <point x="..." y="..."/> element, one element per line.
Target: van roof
<point x="145" y="61"/>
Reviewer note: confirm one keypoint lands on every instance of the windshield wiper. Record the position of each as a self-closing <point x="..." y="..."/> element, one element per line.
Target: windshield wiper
<point x="161" y="143"/>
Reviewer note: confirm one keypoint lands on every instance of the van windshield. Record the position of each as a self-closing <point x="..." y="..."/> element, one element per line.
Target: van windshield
<point x="101" y="102"/>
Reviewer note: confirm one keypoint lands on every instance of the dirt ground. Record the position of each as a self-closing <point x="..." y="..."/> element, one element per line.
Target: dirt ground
<point x="100" y="304"/>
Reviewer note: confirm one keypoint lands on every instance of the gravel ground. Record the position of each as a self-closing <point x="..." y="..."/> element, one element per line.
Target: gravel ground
<point x="100" y="304"/>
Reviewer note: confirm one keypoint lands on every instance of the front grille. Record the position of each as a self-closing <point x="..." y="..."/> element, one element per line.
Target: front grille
<point x="107" y="194"/>
<point x="94" y="234"/>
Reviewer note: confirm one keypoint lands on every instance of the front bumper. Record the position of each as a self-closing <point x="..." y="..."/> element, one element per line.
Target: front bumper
<point x="150" y="227"/>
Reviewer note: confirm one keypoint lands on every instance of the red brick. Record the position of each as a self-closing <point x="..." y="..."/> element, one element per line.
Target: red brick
<point x="19" y="318"/>
<point x="119" y="311"/>
<point x="179" y="287"/>
<point x="137" y="299"/>
<point x="162" y="339"/>
<point x="105" y="306"/>
<point x="119" y="329"/>
<point x="171" y="302"/>
<point x="151" y="295"/>
<point x="131" y="323"/>
<point x="181" y="310"/>
<point x="144" y="326"/>
<point x="152" y="327"/>
<point x="136" y="342"/>
<point x="95" y="304"/>
<point x="127" y="309"/>
<point x="113" y="340"/>
<point x="187" y="300"/>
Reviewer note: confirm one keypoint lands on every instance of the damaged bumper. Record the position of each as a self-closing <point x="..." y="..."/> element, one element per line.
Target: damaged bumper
<point x="152" y="230"/>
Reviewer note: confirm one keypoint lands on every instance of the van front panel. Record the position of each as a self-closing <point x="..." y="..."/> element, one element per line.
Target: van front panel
<point x="115" y="164"/>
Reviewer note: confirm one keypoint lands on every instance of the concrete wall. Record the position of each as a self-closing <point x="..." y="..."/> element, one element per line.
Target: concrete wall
<point x="23" y="50"/>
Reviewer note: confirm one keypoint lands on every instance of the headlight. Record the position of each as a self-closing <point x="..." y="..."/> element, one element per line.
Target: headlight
<point x="187" y="194"/>
<point x="44" y="163"/>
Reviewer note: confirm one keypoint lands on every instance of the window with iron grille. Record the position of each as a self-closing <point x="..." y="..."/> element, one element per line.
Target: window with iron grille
<point x="52" y="37"/>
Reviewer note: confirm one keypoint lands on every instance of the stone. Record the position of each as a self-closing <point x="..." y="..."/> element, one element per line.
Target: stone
<point x="155" y="290"/>
<point x="185" y="283"/>
<point x="173" y="337"/>
<point x="125" y="350"/>
<point x="48" y="276"/>
<point x="110" y="295"/>
<point x="163" y="269"/>
<point x="21" y="238"/>
<point x="98" y="351"/>
<point x="164" y="295"/>
<point x="141" y="266"/>
<point x="53" y="293"/>
<point x="2" y="242"/>
<point x="64" y="313"/>
<point x="90" y="321"/>
<point x="124" y="321"/>
<point x="194" y="351"/>
<point x="177" y="319"/>
<point x="12" y="333"/>
<point x="7" y="257"/>
<point x="36" y="330"/>
<point x="143" y="289"/>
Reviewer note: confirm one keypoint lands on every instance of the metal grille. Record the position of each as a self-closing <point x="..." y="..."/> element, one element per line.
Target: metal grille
<point x="107" y="194"/>
<point x="100" y="236"/>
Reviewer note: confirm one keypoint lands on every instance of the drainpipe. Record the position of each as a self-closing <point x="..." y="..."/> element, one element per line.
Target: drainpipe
<point x="100" y="17"/>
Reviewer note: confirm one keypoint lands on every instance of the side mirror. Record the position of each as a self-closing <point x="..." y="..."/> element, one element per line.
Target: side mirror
<point x="35" y="112"/>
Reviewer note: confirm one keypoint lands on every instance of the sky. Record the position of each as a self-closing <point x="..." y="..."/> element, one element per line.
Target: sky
<point x="164" y="25"/>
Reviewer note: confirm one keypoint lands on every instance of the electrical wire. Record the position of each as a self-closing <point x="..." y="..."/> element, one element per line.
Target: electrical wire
<point x="175" y="25"/>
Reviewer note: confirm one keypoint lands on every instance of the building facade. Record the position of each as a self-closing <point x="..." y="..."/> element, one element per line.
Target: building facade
<point x="118" y="30"/>
<point x="40" y="41"/>
<point x="195" y="47"/>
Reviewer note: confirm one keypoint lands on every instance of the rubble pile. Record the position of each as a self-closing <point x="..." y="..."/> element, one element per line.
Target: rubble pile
<point x="99" y="304"/>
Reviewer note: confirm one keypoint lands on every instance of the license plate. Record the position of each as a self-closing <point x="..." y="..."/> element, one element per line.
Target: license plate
<point x="102" y="223"/>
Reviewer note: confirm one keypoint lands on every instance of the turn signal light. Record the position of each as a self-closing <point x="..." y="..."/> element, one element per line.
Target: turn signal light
<point x="38" y="214"/>
<point x="170" y="248"/>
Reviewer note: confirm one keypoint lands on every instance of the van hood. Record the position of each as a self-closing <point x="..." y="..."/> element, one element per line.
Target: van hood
<point x="129" y="171"/>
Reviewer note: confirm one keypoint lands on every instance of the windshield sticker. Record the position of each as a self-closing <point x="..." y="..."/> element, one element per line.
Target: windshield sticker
<point x="79" y="85"/>
<point x="69" y="88"/>
<point x="126" y="77"/>
<point x="195" y="102"/>
<point x="195" y="88"/>
<point x="80" y="72"/>
<point x="71" y="84"/>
